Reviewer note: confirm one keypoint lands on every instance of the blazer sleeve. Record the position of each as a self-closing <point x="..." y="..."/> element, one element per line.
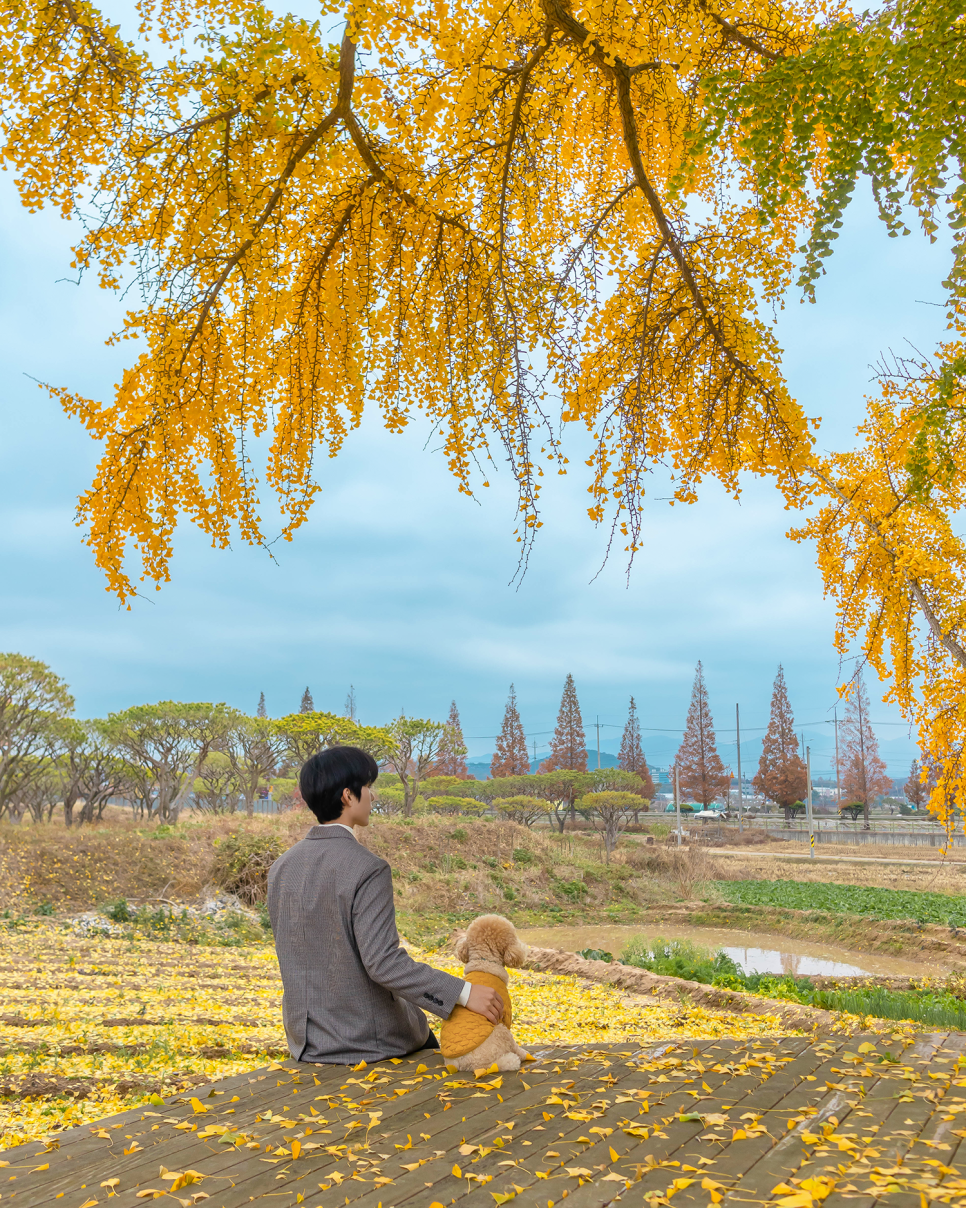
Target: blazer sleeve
<point x="374" y="925"/>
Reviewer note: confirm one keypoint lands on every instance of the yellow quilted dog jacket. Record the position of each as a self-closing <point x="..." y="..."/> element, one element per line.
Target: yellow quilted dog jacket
<point x="465" y="1030"/>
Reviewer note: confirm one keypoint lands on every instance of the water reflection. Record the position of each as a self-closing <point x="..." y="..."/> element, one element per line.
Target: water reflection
<point x="772" y="960"/>
<point x="753" y="951"/>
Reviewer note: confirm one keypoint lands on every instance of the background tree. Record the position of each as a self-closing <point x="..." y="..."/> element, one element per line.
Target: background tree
<point x="862" y="771"/>
<point x="609" y="813"/>
<point x="306" y="733"/>
<point x="415" y="748"/>
<point x="261" y="711"/>
<point x="559" y="789"/>
<point x="522" y="809"/>
<point x="701" y="773"/>
<point x="631" y="755"/>
<point x="350" y="703"/>
<point x="216" y="788"/>
<point x="879" y="96"/>
<point x="307" y="705"/>
<point x="781" y="770"/>
<point x="34" y="705"/>
<point x="914" y="790"/>
<point x="91" y="772"/>
<point x="253" y="747"/>
<point x="170" y="741"/>
<point x="452" y="748"/>
<point x="568" y="749"/>
<point x="510" y="757"/>
<point x="617" y="780"/>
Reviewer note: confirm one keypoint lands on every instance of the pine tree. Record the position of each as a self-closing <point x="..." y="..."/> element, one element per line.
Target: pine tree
<point x="568" y="750"/>
<point x="781" y="771"/>
<point x="701" y="773"/>
<point x="452" y="748"/>
<point x="632" y="757"/>
<point x="862" y="771"/>
<point x="510" y="757"/>
<point x="261" y="711"/>
<point x="307" y="705"/>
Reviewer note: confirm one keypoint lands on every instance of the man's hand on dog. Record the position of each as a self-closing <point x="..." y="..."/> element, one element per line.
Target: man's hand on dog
<point x="486" y="1002"/>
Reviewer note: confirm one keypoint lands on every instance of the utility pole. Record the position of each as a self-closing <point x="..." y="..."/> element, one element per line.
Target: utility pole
<point x="738" y="739"/>
<point x="598" y="743"/>
<point x="838" y="781"/>
<point x="808" y="801"/>
<point x="534" y="750"/>
<point x="677" y="802"/>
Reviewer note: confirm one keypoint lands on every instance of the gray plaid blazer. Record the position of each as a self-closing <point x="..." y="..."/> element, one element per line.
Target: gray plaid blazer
<point x="350" y="992"/>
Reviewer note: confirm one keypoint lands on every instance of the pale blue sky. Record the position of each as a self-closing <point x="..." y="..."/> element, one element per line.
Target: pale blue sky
<point x="401" y="586"/>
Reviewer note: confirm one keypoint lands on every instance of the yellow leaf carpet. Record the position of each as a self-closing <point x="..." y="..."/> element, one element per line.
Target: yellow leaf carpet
<point x="90" y="1026"/>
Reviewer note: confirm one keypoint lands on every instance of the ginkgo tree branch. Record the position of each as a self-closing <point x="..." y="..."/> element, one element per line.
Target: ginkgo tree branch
<point x="733" y="34"/>
<point x="340" y="111"/>
<point x="559" y="15"/>
<point x="946" y="639"/>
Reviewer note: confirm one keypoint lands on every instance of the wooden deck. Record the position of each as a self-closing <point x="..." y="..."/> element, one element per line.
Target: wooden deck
<point x="792" y="1121"/>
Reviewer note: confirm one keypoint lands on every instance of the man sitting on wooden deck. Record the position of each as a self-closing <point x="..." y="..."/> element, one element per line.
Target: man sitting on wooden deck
<point x="351" y="993"/>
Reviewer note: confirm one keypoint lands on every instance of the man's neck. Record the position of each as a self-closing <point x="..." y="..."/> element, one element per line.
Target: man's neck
<point x="345" y="825"/>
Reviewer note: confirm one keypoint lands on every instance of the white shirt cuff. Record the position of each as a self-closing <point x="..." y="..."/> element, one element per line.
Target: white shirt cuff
<point x="464" y="997"/>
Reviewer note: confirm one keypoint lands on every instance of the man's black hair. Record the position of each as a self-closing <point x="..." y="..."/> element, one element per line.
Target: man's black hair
<point x="325" y="776"/>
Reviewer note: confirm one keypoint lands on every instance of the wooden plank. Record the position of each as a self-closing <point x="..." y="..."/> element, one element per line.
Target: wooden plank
<point x="89" y="1153"/>
<point x="744" y="1094"/>
<point x="743" y="1153"/>
<point x="210" y="1156"/>
<point x="601" y="1075"/>
<point x="764" y="1097"/>
<point x="905" y="1127"/>
<point x="447" y="1134"/>
<point x="727" y="1084"/>
<point x="784" y="1159"/>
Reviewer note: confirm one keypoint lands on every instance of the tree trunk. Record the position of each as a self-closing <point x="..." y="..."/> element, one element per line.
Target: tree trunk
<point x="69" y="802"/>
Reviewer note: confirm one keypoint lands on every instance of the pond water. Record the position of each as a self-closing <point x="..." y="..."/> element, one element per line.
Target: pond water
<point x="754" y="952"/>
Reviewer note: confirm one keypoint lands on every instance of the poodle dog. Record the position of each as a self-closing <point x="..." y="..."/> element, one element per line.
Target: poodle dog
<point x="468" y="1040"/>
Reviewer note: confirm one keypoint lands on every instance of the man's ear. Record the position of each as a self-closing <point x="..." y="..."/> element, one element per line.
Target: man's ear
<point x="462" y="948"/>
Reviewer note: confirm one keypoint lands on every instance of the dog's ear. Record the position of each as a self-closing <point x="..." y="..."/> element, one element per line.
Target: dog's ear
<point x="516" y="954"/>
<point x="462" y="947"/>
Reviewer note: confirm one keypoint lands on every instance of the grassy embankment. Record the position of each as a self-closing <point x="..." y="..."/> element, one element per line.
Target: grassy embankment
<point x="447" y="870"/>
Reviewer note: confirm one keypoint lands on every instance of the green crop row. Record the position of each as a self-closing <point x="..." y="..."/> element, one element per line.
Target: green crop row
<point x="919" y="907"/>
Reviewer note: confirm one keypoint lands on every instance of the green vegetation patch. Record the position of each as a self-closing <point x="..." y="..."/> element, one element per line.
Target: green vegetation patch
<point x="920" y="907"/>
<point x="931" y="1005"/>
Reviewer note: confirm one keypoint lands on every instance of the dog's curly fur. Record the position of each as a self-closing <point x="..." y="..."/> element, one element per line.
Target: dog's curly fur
<point x="489" y="945"/>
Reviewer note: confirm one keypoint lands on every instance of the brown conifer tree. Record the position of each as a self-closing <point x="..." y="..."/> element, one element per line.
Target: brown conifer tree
<point x="862" y="771"/>
<point x="781" y="770"/>
<point x="452" y="748"/>
<point x="568" y="750"/>
<point x="510" y="757"/>
<point x="915" y="791"/>
<point x="701" y="773"/>
<point x="631" y="757"/>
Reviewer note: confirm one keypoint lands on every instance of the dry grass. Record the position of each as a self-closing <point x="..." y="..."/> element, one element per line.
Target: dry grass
<point x="84" y="867"/>
<point x="441" y="866"/>
<point x="940" y="877"/>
